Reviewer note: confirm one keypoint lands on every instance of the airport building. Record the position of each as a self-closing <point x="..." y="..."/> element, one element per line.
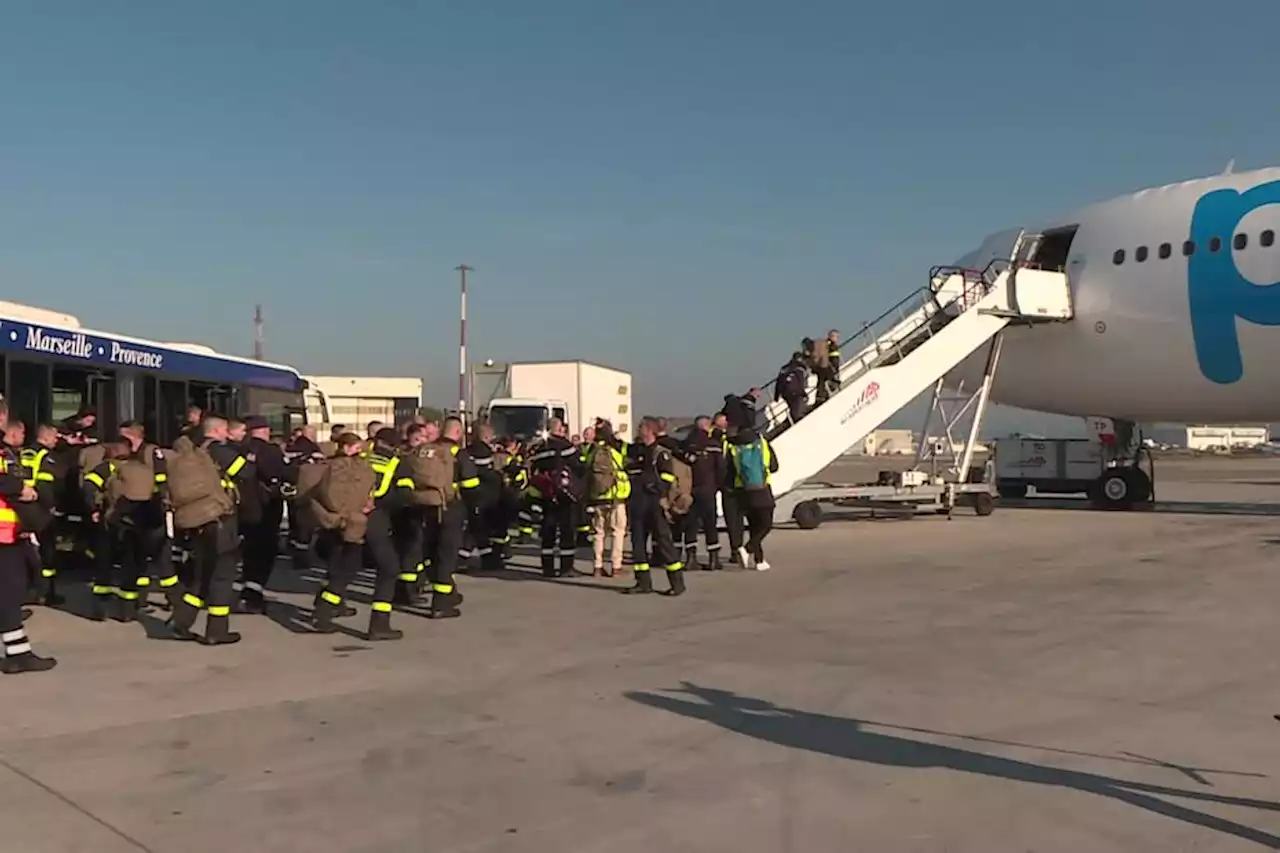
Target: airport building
<point x="1204" y="437"/>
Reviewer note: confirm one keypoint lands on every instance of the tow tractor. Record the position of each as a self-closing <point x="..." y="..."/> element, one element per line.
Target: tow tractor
<point x="1107" y="468"/>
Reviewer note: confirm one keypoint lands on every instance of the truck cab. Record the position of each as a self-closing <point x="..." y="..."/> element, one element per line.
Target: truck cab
<point x="524" y="418"/>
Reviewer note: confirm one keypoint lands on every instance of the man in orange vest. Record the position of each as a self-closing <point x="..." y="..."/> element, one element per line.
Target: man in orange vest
<point x="18" y="657"/>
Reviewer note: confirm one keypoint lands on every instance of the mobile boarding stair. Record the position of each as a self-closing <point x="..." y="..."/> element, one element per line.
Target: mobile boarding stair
<point x="907" y="351"/>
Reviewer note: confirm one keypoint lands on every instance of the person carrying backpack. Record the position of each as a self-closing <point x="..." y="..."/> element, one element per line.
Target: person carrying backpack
<point x="342" y="502"/>
<point x="652" y="542"/>
<point x="792" y="386"/>
<point x="751" y="463"/>
<point x="608" y="489"/>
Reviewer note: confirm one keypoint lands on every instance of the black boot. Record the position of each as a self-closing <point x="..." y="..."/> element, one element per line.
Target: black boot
<point x="733" y="557"/>
<point x="51" y="596"/>
<point x="127" y="610"/>
<point x="406" y="594"/>
<point x="676" y="579"/>
<point x="322" y="615"/>
<point x="644" y="584"/>
<point x="26" y="662"/>
<point x="444" y="605"/>
<point x="566" y="565"/>
<point x="548" y="565"/>
<point x="252" y="601"/>
<point x="100" y="607"/>
<point x="713" y="561"/>
<point x="218" y="632"/>
<point x="183" y="618"/>
<point x="380" y="627"/>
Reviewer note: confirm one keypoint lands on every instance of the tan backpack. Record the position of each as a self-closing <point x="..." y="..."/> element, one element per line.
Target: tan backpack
<point x="602" y="473"/>
<point x="821" y="353"/>
<point x="679" y="497"/>
<point x="132" y="480"/>
<point x="340" y="498"/>
<point x="195" y="487"/>
<point x="431" y="466"/>
<point x="91" y="456"/>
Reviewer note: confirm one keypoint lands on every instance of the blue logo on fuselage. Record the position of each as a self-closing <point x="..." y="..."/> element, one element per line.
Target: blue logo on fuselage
<point x="1217" y="291"/>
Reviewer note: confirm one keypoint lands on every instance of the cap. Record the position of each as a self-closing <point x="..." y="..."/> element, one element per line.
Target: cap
<point x="255" y="422"/>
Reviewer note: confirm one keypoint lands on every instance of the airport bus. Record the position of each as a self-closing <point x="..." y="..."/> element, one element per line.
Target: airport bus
<point x="52" y="368"/>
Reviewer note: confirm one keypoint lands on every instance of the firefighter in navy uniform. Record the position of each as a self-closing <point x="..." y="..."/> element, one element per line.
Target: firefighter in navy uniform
<point x="650" y="525"/>
<point x="301" y="450"/>
<point x="18" y="656"/>
<point x="486" y="523"/>
<point x="213" y="548"/>
<point x="46" y="472"/>
<point x="153" y="553"/>
<point x="389" y="494"/>
<point x="447" y="526"/>
<point x="262" y="536"/>
<point x="705" y="453"/>
<point x="556" y="483"/>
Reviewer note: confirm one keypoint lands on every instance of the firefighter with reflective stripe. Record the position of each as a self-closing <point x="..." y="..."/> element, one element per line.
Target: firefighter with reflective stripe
<point x="487" y="524"/>
<point x="108" y="583"/>
<point x="212" y="550"/>
<point x="151" y="547"/>
<point x="389" y="494"/>
<point x="504" y="516"/>
<point x="446" y="528"/>
<point x="18" y="656"/>
<point x="528" y="515"/>
<point x="706" y="458"/>
<point x="262" y="535"/>
<point x="555" y="483"/>
<point x="828" y="371"/>
<point x="447" y="525"/>
<point x="585" y="511"/>
<point x="410" y="527"/>
<point x="649" y="522"/>
<point x="301" y="450"/>
<point x="46" y="472"/>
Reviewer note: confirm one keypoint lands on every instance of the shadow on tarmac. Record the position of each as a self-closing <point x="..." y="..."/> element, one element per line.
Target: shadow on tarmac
<point x="848" y="738"/>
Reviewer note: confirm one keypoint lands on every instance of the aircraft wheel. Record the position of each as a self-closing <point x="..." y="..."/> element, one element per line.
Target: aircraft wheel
<point x="1114" y="490"/>
<point x="807" y="515"/>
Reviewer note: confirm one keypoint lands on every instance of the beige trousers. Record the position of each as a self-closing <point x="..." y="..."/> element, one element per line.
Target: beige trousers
<point x="610" y="517"/>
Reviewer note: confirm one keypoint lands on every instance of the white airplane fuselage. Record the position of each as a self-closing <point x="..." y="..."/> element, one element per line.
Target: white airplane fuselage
<point x="1181" y="327"/>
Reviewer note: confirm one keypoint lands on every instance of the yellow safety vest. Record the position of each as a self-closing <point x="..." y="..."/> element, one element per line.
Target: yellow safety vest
<point x="32" y="460"/>
<point x="621" y="489"/>
<point x="767" y="453"/>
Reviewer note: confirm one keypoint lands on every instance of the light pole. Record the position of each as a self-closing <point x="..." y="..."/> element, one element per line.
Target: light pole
<point x="462" y="270"/>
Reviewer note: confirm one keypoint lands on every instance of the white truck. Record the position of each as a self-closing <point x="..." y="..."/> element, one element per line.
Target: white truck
<point x="577" y="392"/>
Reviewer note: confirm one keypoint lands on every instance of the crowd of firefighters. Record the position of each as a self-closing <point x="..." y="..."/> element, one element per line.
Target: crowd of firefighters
<point x="74" y="508"/>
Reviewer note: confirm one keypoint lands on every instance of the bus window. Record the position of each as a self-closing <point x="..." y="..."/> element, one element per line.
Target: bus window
<point x="70" y="393"/>
<point x="29" y="391"/>
<point x="219" y="400"/>
<point x="282" y="409"/>
<point x="171" y="416"/>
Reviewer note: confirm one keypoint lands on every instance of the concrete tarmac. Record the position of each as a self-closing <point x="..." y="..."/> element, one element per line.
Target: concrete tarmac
<point x="1042" y="679"/>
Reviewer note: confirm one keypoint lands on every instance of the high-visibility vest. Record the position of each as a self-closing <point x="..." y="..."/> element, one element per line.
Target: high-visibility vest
<point x="767" y="456"/>
<point x="8" y="516"/>
<point x="621" y="489"/>
<point x="32" y="460"/>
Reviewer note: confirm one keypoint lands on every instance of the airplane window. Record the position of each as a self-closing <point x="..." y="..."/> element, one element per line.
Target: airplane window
<point x="1118" y="257"/>
<point x="1267" y="237"/>
<point x="1165" y="251"/>
<point x="1240" y="241"/>
<point x="1189" y="248"/>
<point x="1140" y="254"/>
<point x="1215" y="244"/>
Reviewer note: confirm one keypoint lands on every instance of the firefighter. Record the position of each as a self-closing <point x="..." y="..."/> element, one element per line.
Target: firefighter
<point x="18" y="655"/>
<point x="555" y="483"/>
<point x="486" y="524"/>
<point x="706" y="457"/>
<point x="301" y="450"/>
<point x="262" y="535"/>
<point x="649" y="522"/>
<point x="446" y="527"/>
<point x="147" y="545"/>
<point x="409" y="525"/>
<point x="46" y="472"/>
<point x="388" y="496"/>
<point x="585" y="511"/>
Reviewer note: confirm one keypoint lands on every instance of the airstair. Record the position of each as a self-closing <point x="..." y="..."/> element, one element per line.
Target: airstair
<point x="905" y="352"/>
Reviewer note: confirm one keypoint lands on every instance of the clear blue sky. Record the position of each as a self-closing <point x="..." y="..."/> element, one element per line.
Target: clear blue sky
<point x="682" y="188"/>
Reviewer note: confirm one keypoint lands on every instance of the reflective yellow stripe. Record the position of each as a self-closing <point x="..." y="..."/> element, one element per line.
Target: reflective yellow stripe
<point x="387" y="469"/>
<point x="169" y="581"/>
<point x="331" y="598"/>
<point x="381" y="607"/>
<point x="675" y="567"/>
<point x="48" y="573"/>
<point x="193" y="600"/>
<point x="44" y="477"/>
<point x="408" y="577"/>
<point x="94" y="478"/>
<point x="219" y="611"/>
<point x="641" y="567"/>
<point x="144" y="582"/>
<point x="669" y="478"/>
<point x="99" y="589"/>
<point x="442" y="588"/>
<point x="470" y="483"/>
<point x="127" y="595"/>
<point x="405" y="483"/>
<point x="234" y="467"/>
<point x="162" y="478"/>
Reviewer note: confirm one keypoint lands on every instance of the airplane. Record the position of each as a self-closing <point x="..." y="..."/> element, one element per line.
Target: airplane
<point x="1174" y="292"/>
<point x="1153" y="306"/>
